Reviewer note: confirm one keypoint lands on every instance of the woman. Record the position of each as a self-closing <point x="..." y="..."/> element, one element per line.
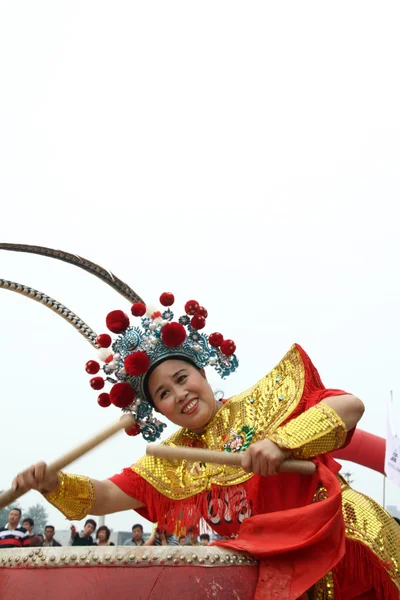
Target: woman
<point x="103" y="537"/>
<point x="313" y="532"/>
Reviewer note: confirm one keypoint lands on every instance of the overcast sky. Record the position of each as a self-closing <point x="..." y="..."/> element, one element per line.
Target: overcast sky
<point x="245" y="154"/>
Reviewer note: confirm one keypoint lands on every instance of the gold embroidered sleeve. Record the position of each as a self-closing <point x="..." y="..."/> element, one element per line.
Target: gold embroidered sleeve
<point x="316" y="431"/>
<point x="74" y="496"/>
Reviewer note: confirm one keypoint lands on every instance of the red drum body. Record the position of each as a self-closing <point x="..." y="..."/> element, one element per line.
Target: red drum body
<point x="122" y="573"/>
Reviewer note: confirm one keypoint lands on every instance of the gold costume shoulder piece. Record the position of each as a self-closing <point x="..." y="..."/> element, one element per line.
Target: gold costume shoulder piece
<point x="246" y="418"/>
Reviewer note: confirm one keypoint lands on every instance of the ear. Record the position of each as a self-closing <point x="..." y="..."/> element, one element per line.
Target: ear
<point x="202" y="371"/>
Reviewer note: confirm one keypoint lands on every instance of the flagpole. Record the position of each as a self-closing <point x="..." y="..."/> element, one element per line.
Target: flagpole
<point x="384" y="491"/>
<point x="384" y="476"/>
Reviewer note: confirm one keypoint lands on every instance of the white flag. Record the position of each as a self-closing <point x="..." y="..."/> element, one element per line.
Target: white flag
<point x="392" y="456"/>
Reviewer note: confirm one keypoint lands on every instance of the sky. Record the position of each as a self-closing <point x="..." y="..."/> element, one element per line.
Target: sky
<point x="243" y="154"/>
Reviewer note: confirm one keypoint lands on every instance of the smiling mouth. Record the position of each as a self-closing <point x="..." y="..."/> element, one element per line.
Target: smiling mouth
<point x="190" y="407"/>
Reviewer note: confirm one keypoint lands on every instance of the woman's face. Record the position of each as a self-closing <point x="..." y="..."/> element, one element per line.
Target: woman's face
<point x="182" y="394"/>
<point x="101" y="535"/>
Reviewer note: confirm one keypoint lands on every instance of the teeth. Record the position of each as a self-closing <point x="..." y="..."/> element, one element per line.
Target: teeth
<point x="190" y="406"/>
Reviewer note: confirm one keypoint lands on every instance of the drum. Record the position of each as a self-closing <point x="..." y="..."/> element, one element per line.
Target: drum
<point x="122" y="573"/>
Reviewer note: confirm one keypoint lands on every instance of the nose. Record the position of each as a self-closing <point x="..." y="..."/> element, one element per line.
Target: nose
<point x="180" y="395"/>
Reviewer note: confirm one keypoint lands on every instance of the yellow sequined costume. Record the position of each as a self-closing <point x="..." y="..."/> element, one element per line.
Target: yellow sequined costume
<point x="227" y="496"/>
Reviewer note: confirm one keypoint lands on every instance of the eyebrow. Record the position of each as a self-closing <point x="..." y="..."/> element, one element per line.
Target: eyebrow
<point x="160" y="387"/>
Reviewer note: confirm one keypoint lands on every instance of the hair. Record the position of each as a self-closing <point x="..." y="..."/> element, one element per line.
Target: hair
<point x="17" y="509"/>
<point x="29" y="520"/>
<point x="91" y="522"/>
<point x="104" y="528"/>
<point x="40" y="535"/>
<point x="137" y="525"/>
<point x="205" y="536"/>
<point x="397" y="520"/>
<point x="49" y="527"/>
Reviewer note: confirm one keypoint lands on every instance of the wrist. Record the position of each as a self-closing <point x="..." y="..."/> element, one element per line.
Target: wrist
<point x="74" y="496"/>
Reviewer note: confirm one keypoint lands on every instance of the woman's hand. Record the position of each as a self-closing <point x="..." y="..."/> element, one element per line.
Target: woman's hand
<point x="263" y="458"/>
<point x="35" y="478"/>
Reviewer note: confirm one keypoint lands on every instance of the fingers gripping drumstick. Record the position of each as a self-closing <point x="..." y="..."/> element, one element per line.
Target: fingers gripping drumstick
<point x="125" y="422"/>
<point x="222" y="458"/>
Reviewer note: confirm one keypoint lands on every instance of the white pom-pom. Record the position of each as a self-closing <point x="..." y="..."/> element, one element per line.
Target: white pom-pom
<point x="150" y="309"/>
<point x="104" y="353"/>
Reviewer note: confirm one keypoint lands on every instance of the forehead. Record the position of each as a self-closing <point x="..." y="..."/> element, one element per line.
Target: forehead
<point x="166" y="370"/>
<point x="14" y="512"/>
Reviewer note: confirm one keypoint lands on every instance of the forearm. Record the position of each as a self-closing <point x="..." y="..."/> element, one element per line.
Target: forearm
<point x="349" y="408"/>
<point x="109" y="498"/>
<point x="320" y="429"/>
<point x="150" y="541"/>
<point x="77" y="496"/>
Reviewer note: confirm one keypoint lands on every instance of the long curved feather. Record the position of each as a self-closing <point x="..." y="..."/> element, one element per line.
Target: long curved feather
<point x="73" y="259"/>
<point x="55" y="306"/>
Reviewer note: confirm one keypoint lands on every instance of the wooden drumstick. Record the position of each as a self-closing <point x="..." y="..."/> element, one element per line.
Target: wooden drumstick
<point x="222" y="458"/>
<point x="126" y="421"/>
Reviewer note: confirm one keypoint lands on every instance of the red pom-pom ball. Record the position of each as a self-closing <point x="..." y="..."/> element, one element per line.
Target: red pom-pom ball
<point x="97" y="383"/>
<point x="104" y="340"/>
<point x="138" y="309"/>
<point x="104" y="400"/>
<point x="92" y="367"/>
<point x="191" y="307"/>
<point x="215" y="339"/>
<point x="137" y="363"/>
<point x="198" y="321"/>
<point x="122" y="395"/>
<point x="167" y="299"/>
<point x="202" y="311"/>
<point x="117" y="321"/>
<point x="173" y="334"/>
<point x="228" y="347"/>
<point x="134" y="430"/>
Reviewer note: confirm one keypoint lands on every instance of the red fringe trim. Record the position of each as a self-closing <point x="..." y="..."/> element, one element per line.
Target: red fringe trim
<point x="223" y="504"/>
<point x="360" y="571"/>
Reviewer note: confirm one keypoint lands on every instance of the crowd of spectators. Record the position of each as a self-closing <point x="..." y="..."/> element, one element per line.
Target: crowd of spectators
<point x="15" y="534"/>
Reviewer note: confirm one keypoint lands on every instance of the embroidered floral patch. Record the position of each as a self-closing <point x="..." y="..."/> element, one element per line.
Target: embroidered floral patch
<point x="240" y="440"/>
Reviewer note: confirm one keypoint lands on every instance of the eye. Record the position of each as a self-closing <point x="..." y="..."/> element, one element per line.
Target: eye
<point x="181" y="378"/>
<point x="163" y="394"/>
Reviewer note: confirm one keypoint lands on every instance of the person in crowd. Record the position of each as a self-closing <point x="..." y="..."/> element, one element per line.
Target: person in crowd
<point x="34" y="538"/>
<point x="193" y="538"/>
<point x="204" y="539"/>
<point x="103" y="537"/>
<point x="163" y="539"/>
<point x="182" y="541"/>
<point x="84" y="537"/>
<point x="137" y="538"/>
<point x="11" y="534"/>
<point x="49" y="537"/>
